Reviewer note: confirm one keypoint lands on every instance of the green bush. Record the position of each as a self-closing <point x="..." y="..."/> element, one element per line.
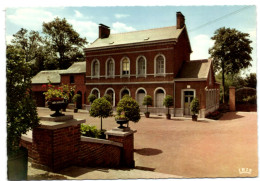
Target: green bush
<point x="148" y="101"/>
<point x="76" y="98"/>
<point x="91" y="98"/>
<point x="168" y="102"/>
<point x="108" y="97"/>
<point x="90" y="131"/>
<point x="130" y="108"/>
<point x="101" y="108"/>
<point x="246" y="95"/>
<point x="195" y="106"/>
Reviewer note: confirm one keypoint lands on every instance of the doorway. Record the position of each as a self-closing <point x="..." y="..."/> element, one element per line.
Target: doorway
<point x="188" y="97"/>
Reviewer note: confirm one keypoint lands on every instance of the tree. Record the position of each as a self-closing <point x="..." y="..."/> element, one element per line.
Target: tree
<point x="168" y="102"/>
<point x="130" y="108"/>
<point x="250" y="80"/>
<point x="148" y="101"/>
<point x="64" y="41"/>
<point x="101" y="108"/>
<point x="231" y="52"/>
<point x="195" y="106"/>
<point x="91" y="98"/>
<point x="21" y="108"/>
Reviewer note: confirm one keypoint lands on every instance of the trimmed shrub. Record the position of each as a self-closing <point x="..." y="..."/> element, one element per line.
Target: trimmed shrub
<point x="168" y="102"/>
<point x="195" y="106"/>
<point x="148" y="101"/>
<point x="91" y="98"/>
<point x="90" y="131"/>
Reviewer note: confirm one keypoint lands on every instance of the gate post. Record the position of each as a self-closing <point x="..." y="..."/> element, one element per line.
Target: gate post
<point x="232" y="98"/>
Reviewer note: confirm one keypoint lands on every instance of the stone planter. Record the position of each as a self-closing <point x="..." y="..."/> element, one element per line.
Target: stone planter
<point x="194" y="117"/>
<point x="168" y="116"/>
<point x="57" y="106"/>
<point x="121" y="122"/>
<point x="147" y="114"/>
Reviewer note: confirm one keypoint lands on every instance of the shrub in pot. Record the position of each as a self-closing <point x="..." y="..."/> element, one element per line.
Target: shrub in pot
<point x="101" y="108"/>
<point x="168" y="102"/>
<point x="128" y="108"/>
<point x="76" y="98"/>
<point x="194" y="108"/>
<point x="148" y="101"/>
<point x="21" y="111"/>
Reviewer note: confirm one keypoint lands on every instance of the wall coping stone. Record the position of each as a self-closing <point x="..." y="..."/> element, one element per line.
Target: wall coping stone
<point x="57" y="125"/>
<point x="57" y="119"/>
<point x="101" y="141"/>
<point x="120" y="133"/>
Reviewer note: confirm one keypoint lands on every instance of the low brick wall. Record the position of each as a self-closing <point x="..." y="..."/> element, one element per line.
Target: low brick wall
<point x="96" y="152"/>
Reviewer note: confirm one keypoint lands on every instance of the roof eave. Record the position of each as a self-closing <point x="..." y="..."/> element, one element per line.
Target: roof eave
<point x="189" y="79"/>
<point x="131" y="44"/>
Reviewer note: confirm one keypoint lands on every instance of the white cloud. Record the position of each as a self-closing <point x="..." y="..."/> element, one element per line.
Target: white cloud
<point x="118" y="16"/>
<point x="78" y="14"/>
<point x="86" y="29"/>
<point x="200" y="45"/>
<point x="8" y="38"/>
<point x="30" y="18"/>
<point x="121" y="27"/>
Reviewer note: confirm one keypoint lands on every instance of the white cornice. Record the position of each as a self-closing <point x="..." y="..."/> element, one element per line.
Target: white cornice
<point x="128" y="83"/>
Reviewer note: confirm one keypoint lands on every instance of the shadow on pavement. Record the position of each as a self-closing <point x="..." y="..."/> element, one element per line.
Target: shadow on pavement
<point x="144" y="168"/>
<point x="229" y="116"/>
<point x="148" y="151"/>
<point x="46" y="176"/>
<point x="75" y="171"/>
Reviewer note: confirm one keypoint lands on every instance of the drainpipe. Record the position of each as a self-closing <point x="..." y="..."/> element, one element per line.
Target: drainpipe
<point x="174" y="98"/>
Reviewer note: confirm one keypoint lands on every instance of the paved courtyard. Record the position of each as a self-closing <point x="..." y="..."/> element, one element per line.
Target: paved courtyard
<point x="189" y="149"/>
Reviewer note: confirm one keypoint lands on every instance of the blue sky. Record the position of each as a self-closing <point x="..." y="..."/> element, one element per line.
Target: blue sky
<point x="85" y="20"/>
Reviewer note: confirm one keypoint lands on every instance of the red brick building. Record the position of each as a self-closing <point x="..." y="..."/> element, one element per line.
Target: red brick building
<point x="152" y="62"/>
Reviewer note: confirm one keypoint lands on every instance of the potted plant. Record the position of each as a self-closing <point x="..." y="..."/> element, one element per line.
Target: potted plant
<point x="57" y="98"/>
<point x="76" y="99"/>
<point x="101" y="108"/>
<point x="148" y="101"/>
<point x="128" y="110"/>
<point x="108" y="98"/>
<point x="21" y="112"/>
<point x="194" y="108"/>
<point x="168" y="102"/>
<point x="91" y="98"/>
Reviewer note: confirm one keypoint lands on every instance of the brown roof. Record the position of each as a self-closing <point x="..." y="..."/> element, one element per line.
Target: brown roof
<point x="43" y="77"/>
<point x="142" y="36"/>
<point x="194" y="69"/>
<point x="76" y="68"/>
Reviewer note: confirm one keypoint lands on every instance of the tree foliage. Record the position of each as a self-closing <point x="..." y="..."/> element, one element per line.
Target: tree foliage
<point x="64" y="41"/>
<point x="231" y="51"/>
<point x="101" y="108"/>
<point x="168" y="102"/>
<point x="130" y="108"/>
<point x="195" y="106"/>
<point x="148" y="101"/>
<point x="91" y="98"/>
<point x="21" y="108"/>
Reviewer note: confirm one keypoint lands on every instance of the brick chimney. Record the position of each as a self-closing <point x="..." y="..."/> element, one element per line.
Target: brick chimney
<point x="180" y="20"/>
<point x="104" y="31"/>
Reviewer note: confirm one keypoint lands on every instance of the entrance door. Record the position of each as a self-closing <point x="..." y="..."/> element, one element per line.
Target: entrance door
<point x="140" y="97"/>
<point x="188" y="97"/>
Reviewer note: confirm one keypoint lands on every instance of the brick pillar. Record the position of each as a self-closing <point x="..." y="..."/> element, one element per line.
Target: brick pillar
<point x="232" y="98"/>
<point x="126" y="137"/>
<point x="56" y="143"/>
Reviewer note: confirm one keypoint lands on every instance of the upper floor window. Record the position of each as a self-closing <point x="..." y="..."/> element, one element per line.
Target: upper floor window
<point x="159" y="64"/>
<point x="95" y="68"/>
<point x="110" y="68"/>
<point x="125" y="67"/>
<point x="141" y="66"/>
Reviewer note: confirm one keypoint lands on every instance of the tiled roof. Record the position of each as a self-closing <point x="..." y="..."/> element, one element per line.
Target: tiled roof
<point x="75" y="68"/>
<point x="138" y="37"/>
<point x="43" y="77"/>
<point x="194" y="69"/>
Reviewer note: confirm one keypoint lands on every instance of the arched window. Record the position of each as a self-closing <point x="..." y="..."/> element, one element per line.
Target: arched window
<point x="124" y="91"/>
<point x="141" y="66"/>
<point x="111" y="92"/>
<point x="125" y="67"/>
<point x="159" y="65"/>
<point x="110" y="72"/>
<point x="140" y="93"/>
<point x="96" y="92"/>
<point x="95" y="68"/>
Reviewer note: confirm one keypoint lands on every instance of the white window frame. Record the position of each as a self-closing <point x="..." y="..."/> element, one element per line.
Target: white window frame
<point x="137" y="66"/>
<point x="91" y="92"/>
<point x="107" y="61"/>
<point x="155" y="65"/>
<point x="121" y="67"/>
<point x="92" y="69"/>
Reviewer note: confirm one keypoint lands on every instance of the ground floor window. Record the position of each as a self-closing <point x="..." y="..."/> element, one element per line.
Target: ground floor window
<point x="111" y="92"/>
<point x="158" y="98"/>
<point x="140" y="97"/>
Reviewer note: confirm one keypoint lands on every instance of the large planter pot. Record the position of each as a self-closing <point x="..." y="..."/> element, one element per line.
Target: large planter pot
<point x="17" y="165"/>
<point x="168" y="116"/>
<point x="57" y="106"/>
<point x="147" y="114"/>
<point x="121" y="122"/>
<point x="194" y="117"/>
